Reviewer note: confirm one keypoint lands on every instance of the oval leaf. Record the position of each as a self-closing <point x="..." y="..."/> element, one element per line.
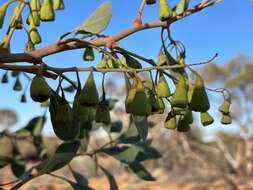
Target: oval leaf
<point x="98" y="21"/>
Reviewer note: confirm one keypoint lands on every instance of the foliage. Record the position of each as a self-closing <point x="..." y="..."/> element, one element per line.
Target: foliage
<point x="73" y="121"/>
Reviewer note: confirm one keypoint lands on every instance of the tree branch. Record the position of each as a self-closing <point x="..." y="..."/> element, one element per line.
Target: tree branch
<point x="37" y="55"/>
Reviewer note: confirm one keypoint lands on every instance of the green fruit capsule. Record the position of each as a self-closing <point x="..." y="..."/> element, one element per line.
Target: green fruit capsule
<point x="225" y="106"/>
<point x="35" y="5"/>
<point x="102" y="64"/>
<point x="199" y="100"/>
<point x="5" y="78"/>
<point x="130" y="62"/>
<point x="34" y="34"/>
<point x="33" y="17"/>
<point x="80" y="112"/>
<point x="150" y="2"/>
<point x="180" y="96"/>
<point x="162" y="87"/>
<point x="59" y="5"/>
<point x="47" y="11"/>
<point x="39" y="89"/>
<point x="165" y="11"/>
<point x="88" y="54"/>
<point x="161" y="106"/>
<point x="153" y="101"/>
<point x="129" y="100"/>
<point x="170" y="122"/>
<point x="23" y="99"/>
<point x="141" y="105"/>
<point x="17" y="86"/>
<point x="64" y="125"/>
<point x="89" y="94"/>
<point x="226" y="119"/>
<point x="183" y="125"/>
<point x="206" y="119"/>
<point x="103" y="113"/>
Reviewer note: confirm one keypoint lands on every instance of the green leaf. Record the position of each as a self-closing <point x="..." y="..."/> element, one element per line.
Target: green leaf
<point x="4" y="161"/>
<point x="80" y="179"/>
<point x="98" y="21"/>
<point x="35" y="125"/>
<point x="142" y="126"/>
<point x="62" y="156"/>
<point x="18" y="166"/>
<point x="141" y="172"/>
<point x="131" y="135"/>
<point x="134" y="153"/>
<point x="111" y="179"/>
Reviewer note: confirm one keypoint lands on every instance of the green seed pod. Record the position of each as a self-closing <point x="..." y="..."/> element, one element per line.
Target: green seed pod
<point x="39" y="89"/>
<point x="103" y="113"/>
<point x="153" y="101"/>
<point x="34" y="34"/>
<point x="179" y="111"/>
<point x="129" y="100"/>
<point x="170" y="122"/>
<point x="47" y="11"/>
<point x="23" y="99"/>
<point x="162" y="87"/>
<point x="165" y="11"/>
<point x="226" y="119"/>
<point x="29" y="46"/>
<point x="150" y="2"/>
<point x="206" y="119"/>
<point x="183" y="125"/>
<point x="3" y="10"/>
<point x="80" y="112"/>
<point x="180" y="97"/>
<point x="62" y="118"/>
<point x="17" y="86"/>
<point x="140" y="105"/>
<point x="112" y="64"/>
<point x="181" y="7"/>
<point x="5" y="78"/>
<point x="35" y="5"/>
<point x="102" y="64"/>
<point x="225" y="106"/>
<point x="199" y="101"/>
<point x="59" y="5"/>
<point x="130" y="62"/>
<point x="161" y="106"/>
<point x="33" y="17"/>
<point x="89" y="94"/>
<point x="88" y="54"/>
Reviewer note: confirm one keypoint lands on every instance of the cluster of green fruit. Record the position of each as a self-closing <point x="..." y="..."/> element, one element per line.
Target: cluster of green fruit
<point x="166" y="12"/>
<point x="37" y="12"/>
<point x="73" y="122"/>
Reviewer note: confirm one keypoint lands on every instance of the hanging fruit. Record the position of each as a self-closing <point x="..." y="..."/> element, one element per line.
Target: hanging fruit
<point x="39" y="89"/>
<point x="165" y="12"/>
<point x="89" y="94"/>
<point x="47" y="11"/>
<point x="199" y="100"/>
<point x="180" y="96"/>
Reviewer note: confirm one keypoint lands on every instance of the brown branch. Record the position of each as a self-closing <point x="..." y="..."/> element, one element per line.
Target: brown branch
<point x="37" y="55"/>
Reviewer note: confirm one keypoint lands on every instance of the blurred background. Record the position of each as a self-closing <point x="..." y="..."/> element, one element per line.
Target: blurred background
<point x="216" y="157"/>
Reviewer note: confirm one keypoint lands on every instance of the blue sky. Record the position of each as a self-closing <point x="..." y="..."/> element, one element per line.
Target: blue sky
<point x="226" y="29"/>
